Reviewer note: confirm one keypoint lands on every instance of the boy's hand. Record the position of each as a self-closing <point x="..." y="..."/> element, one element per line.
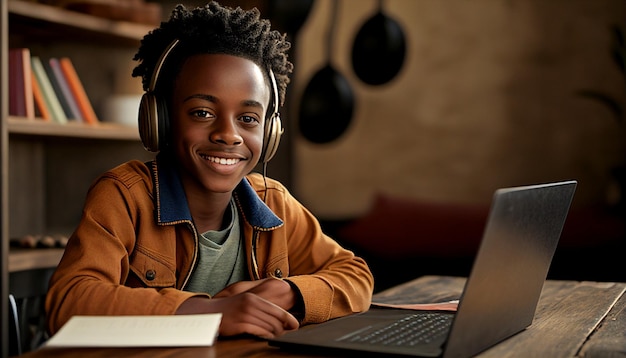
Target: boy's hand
<point x="274" y="290"/>
<point x="243" y="313"/>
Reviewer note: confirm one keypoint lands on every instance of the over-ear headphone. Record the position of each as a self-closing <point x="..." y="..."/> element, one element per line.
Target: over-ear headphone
<point x="154" y="119"/>
<point x="153" y="116"/>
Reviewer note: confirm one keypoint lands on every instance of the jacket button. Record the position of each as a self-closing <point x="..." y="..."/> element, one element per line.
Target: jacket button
<point x="150" y="275"/>
<point x="278" y="273"/>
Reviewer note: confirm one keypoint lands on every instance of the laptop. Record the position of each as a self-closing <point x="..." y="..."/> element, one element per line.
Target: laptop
<point x="499" y="298"/>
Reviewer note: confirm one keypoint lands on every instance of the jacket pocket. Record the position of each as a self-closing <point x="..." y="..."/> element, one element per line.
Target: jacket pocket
<point x="152" y="269"/>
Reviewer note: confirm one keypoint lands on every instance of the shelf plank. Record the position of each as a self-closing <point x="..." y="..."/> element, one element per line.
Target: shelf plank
<point x="101" y="130"/>
<point x="29" y="259"/>
<point x="85" y="22"/>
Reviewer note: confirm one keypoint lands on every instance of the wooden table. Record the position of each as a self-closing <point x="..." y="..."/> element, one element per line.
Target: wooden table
<point x="573" y="319"/>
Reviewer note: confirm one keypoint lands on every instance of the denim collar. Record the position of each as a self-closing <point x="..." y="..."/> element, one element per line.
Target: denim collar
<point x="171" y="202"/>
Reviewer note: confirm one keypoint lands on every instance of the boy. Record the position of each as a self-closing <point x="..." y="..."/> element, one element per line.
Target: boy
<point x="193" y="231"/>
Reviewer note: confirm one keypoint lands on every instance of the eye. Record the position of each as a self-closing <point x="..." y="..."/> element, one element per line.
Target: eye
<point x="249" y="120"/>
<point x="201" y="113"/>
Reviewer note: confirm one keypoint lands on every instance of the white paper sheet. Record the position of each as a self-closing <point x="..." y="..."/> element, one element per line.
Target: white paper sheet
<point x="138" y="331"/>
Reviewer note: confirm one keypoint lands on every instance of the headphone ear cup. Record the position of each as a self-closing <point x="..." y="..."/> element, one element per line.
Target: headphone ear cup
<point x="163" y="120"/>
<point x="149" y="122"/>
<point x="153" y="122"/>
<point x="273" y="132"/>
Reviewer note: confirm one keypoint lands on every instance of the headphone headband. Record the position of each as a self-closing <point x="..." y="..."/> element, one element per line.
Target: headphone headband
<point x="273" y="125"/>
<point x="275" y="98"/>
<point x="159" y="65"/>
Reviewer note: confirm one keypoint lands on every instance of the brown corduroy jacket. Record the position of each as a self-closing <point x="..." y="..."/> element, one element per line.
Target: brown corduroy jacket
<point x="136" y="246"/>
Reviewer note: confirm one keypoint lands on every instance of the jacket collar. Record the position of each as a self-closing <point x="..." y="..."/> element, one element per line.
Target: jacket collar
<point x="171" y="202"/>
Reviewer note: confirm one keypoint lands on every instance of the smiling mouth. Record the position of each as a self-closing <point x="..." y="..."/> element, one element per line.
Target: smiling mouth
<point x="222" y="161"/>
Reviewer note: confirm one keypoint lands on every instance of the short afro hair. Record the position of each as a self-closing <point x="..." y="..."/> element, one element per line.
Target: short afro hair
<point x="213" y="29"/>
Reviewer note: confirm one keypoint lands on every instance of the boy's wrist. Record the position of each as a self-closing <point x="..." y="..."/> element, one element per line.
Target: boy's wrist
<point x="298" y="308"/>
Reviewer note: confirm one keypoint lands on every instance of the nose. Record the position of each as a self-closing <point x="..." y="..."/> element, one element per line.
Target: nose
<point x="225" y="131"/>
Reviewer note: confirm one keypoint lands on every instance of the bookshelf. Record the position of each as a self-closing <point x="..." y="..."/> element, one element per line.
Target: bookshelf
<point x="102" y="130"/>
<point x="39" y="18"/>
<point x="43" y="155"/>
<point x="47" y="167"/>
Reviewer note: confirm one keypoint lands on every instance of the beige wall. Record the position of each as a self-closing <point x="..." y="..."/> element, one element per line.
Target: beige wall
<point x="486" y="99"/>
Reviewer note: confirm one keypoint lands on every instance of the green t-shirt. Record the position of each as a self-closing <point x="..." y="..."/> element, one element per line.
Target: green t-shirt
<point x="221" y="257"/>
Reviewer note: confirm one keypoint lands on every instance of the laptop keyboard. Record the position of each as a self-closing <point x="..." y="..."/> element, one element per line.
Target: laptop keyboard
<point x="419" y="328"/>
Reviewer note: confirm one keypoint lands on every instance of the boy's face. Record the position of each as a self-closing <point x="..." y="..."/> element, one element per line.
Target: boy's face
<point x="218" y="108"/>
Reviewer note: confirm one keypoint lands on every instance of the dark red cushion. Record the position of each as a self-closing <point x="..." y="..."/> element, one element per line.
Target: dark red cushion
<point x="400" y="227"/>
<point x="397" y="228"/>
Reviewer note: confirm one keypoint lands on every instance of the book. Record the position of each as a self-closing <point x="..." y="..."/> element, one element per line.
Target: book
<point x="40" y="102"/>
<point x="435" y="306"/>
<point x="16" y="84"/>
<point x="56" y="86"/>
<point x="49" y="95"/>
<point x="21" y="101"/>
<point x="88" y="114"/>
<point x="66" y="91"/>
<point x="28" y="84"/>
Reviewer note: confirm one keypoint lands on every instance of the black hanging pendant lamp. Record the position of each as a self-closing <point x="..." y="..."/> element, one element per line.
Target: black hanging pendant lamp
<point x="379" y="49"/>
<point x="328" y="100"/>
